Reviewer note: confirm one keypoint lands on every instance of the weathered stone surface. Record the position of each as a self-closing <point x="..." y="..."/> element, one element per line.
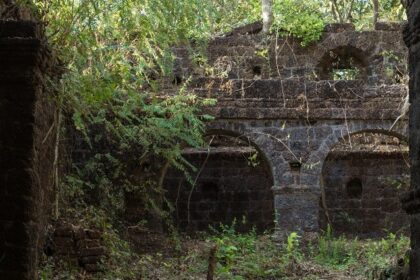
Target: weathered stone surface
<point x="412" y="200"/>
<point x="26" y="159"/>
<point x="288" y="105"/>
<point x="339" y="27"/>
<point x="80" y="246"/>
<point x="389" y="26"/>
<point x="380" y="176"/>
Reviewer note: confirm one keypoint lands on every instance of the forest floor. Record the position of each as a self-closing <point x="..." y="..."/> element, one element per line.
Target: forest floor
<point x="240" y="256"/>
<point x="251" y="256"/>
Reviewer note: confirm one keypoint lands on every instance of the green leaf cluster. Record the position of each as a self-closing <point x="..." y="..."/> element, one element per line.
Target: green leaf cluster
<point x="299" y="18"/>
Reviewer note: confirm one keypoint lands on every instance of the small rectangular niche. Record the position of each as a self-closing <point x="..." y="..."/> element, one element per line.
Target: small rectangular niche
<point x="295" y="167"/>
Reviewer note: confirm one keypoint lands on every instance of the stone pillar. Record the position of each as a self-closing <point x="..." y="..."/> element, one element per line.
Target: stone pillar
<point x="26" y="148"/>
<point x="296" y="208"/>
<point x="411" y="202"/>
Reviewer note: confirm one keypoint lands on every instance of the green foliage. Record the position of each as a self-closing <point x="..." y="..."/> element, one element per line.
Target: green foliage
<point x="345" y="74"/>
<point x="335" y="252"/>
<point x="116" y="56"/>
<point x="360" y="12"/>
<point x="245" y="255"/>
<point x="379" y="254"/>
<point x="253" y="159"/>
<point x="143" y="135"/>
<point x="46" y="271"/>
<point x="299" y="18"/>
<point x="293" y="247"/>
<point x="228" y="14"/>
<point x="230" y="243"/>
<point x="63" y="269"/>
<point x="395" y="67"/>
<point x="392" y="10"/>
<point x="123" y="262"/>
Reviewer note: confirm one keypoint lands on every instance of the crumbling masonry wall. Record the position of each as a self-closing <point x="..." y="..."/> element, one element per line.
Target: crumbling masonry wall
<point x="79" y="246"/>
<point x="282" y="97"/>
<point x="27" y="140"/>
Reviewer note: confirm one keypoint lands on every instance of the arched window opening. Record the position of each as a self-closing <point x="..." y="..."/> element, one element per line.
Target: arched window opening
<point x="343" y="63"/>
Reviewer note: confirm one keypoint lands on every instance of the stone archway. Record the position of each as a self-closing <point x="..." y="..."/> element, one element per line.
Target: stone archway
<point x="363" y="177"/>
<point x="312" y="168"/>
<point x="297" y="203"/>
<point x="232" y="182"/>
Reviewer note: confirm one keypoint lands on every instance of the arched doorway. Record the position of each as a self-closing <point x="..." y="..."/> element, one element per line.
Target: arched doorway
<point x="232" y="182"/>
<point x="363" y="177"/>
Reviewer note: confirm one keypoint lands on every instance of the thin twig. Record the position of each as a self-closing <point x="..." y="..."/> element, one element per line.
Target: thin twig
<point x="195" y="181"/>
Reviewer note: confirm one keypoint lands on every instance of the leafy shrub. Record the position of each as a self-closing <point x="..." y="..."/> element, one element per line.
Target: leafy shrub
<point x="335" y="251"/>
<point x="382" y="255"/>
<point x="299" y="18"/>
<point x="293" y="250"/>
<point x="245" y="255"/>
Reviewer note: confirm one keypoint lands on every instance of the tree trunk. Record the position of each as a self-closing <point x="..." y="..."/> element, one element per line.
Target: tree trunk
<point x="337" y="11"/>
<point x="350" y="13"/>
<point x="212" y="263"/>
<point x="375" y="12"/>
<point x="267" y="15"/>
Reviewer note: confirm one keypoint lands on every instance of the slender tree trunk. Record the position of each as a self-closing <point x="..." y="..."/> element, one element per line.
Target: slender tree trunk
<point x="212" y="263"/>
<point x="350" y="13"/>
<point x="334" y="12"/>
<point x="267" y="15"/>
<point x="337" y="11"/>
<point x="55" y="165"/>
<point x="375" y="12"/>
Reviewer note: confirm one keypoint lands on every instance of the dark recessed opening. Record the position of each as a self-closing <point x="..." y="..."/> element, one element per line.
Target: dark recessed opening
<point x="177" y="80"/>
<point x="256" y="70"/>
<point x="343" y="63"/>
<point x="209" y="190"/>
<point x="354" y="188"/>
<point x="295" y="166"/>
